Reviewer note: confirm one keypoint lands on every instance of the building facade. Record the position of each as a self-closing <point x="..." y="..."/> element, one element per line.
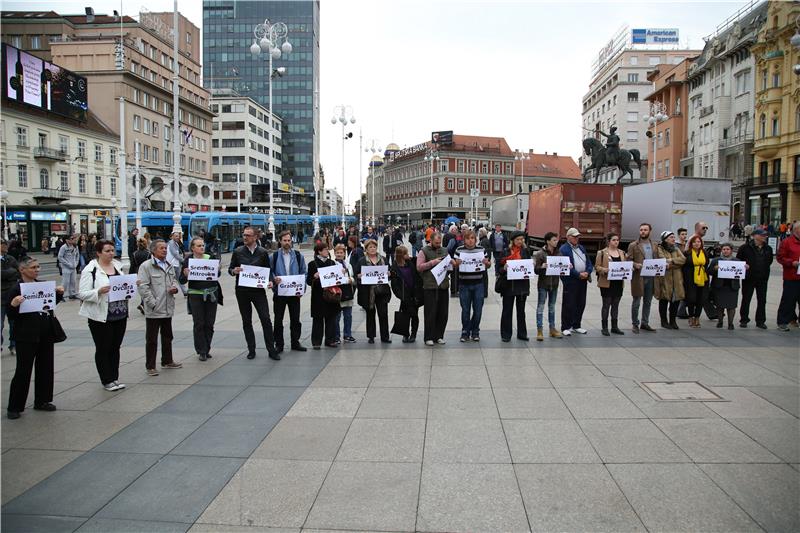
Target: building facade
<point x="720" y="118"/>
<point x="667" y="142"/>
<point x="227" y="36"/>
<point x="60" y="174"/>
<point x="774" y="195"/>
<point x="333" y="200"/>
<point x="617" y="95"/>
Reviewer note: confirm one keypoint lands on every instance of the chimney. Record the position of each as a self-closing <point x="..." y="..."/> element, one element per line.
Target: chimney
<point x="89" y="14"/>
<point x="555" y="154"/>
<point x="116" y="16"/>
<point x="546" y="153"/>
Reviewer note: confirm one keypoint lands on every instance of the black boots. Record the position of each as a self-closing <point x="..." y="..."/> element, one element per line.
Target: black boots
<point x="604" y="329"/>
<point x="615" y="328"/>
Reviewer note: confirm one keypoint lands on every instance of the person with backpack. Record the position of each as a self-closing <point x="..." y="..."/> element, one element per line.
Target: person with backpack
<point x="287" y="262"/>
<point x="374" y="298"/>
<point x="203" y="298"/>
<point x="108" y="321"/>
<point x="324" y="300"/>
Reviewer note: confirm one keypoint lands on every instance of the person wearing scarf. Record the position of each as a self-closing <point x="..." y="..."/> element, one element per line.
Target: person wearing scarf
<point x="323" y="312"/>
<point x="695" y="280"/>
<point x="726" y="291"/>
<point x="669" y="290"/>
<point x="516" y="291"/>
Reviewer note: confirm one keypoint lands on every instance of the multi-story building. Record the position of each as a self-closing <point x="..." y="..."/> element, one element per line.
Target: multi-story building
<point x="374" y="210"/>
<point x="775" y="193"/>
<point x="227" y="36"/>
<point x="333" y="199"/>
<point x="139" y="68"/>
<point x="720" y="122"/>
<point x="667" y="138"/>
<point x="245" y="140"/>
<point x="60" y="173"/>
<point x="617" y="94"/>
<point x="539" y="171"/>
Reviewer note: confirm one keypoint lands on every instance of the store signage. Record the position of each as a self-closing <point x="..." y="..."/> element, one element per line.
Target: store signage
<point x="16" y="215"/>
<point x="49" y="216"/>
<point x="655" y="36"/>
<point x="442" y="137"/>
<point x="411" y="150"/>
<point x="102" y="212"/>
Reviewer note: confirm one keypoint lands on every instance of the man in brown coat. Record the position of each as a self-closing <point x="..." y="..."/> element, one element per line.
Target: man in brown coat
<point x="641" y="287"/>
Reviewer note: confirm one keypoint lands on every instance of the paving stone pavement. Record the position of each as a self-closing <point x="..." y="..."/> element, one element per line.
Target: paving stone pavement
<point x="525" y="436"/>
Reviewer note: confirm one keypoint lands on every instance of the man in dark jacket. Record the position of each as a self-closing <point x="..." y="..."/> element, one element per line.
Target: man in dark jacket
<point x="573" y="302"/>
<point x="9" y="276"/>
<point x="758" y="255"/>
<point x="132" y="237"/>
<point x="498" y="241"/>
<point x="250" y="253"/>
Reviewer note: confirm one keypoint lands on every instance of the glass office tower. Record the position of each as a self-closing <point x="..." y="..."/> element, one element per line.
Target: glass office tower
<point x="227" y="63"/>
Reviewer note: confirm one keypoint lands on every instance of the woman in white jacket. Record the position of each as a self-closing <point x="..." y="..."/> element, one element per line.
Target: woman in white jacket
<point x="107" y="320"/>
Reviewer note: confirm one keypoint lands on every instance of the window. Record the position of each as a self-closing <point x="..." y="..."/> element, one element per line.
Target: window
<point x="44" y="179"/>
<point x="483" y="202"/>
<point x="64" y="180"/>
<point x="633" y="97"/>
<point x="775" y="129"/>
<point x="461" y="165"/>
<point x="666" y="167"/>
<point x="82" y="183"/>
<point x="764" y="80"/>
<point x="633" y="78"/>
<point x="82" y="149"/>
<point x="776" y="169"/>
<point x="188" y="38"/>
<point x="113" y="182"/>
<point x="42" y="140"/>
<point x="666" y="137"/>
<point x="633" y="116"/>
<point x="797" y="168"/>
<point x="653" y="60"/>
<point x="146" y="126"/>
<point x="98" y="153"/>
<point x="742" y="82"/>
<point x="63" y="144"/>
<point x="633" y="60"/>
<point x="155" y="129"/>
<point x="36" y="42"/>
<point x="22" y="136"/>
<point x="16" y="41"/>
<point x="763" y="169"/>
<point x="145" y="152"/>
<point x="776" y="79"/>
<point x="112" y="156"/>
<point x="762" y="126"/>
<point x="484" y="167"/>
<point x="22" y="176"/>
<point x="137" y="123"/>
<point x="98" y="185"/>
<point x="154" y="157"/>
<point x="473" y="166"/>
<point x="444" y="165"/>
<point x="632" y="136"/>
<point x="460" y="201"/>
<point x="449" y="201"/>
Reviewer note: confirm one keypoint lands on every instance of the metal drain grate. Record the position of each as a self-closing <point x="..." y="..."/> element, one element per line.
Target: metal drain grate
<point x="691" y="391"/>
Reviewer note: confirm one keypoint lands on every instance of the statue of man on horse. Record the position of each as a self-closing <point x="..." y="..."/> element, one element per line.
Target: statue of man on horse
<point x="609" y="155"/>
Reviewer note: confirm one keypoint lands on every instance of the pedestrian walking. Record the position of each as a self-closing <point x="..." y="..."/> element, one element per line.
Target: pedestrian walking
<point x="157" y="287"/>
<point x="374" y="299"/>
<point x="324" y="300"/>
<point x="789" y="258"/>
<point x="251" y="254"/>
<point x="9" y="276"/>
<point x="344" y="320"/>
<point x="35" y="338"/>
<point x="407" y="287"/>
<point x="108" y="321"/>
<point x="695" y="279"/>
<point x="204" y="296"/>
<point x="758" y="255"/>
<point x="610" y="290"/>
<point x="547" y="287"/>
<point x="726" y="291"/>
<point x="573" y="300"/>
<point x="133" y="236"/>
<point x="287" y="261"/>
<point x="69" y="259"/>
<point x="669" y="290"/>
<point x="642" y="287"/>
<point x="176" y="253"/>
<point x="471" y="288"/>
<point x="434" y="295"/>
<point x="498" y="243"/>
<point x="514" y="291"/>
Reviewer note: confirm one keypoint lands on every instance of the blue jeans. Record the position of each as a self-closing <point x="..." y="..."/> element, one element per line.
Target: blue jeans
<point x="550" y="295"/>
<point x="471" y="296"/>
<point x="347" y="313"/>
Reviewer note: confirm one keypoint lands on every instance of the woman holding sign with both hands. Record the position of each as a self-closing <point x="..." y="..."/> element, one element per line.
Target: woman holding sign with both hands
<point x="324" y="301"/>
<point x="204" y="295"/>
<point x="514" y="291"/>
<point x="547" y="287"/>
<point x="373" y="298"/>
<point x="726" y="290"/>
<point x="610" y="290"/>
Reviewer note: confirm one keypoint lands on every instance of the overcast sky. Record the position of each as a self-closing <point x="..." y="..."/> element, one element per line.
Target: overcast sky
<point x="516" y="69"/>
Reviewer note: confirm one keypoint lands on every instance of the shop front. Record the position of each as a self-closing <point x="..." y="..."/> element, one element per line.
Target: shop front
<point x="766" y="205"/>
<point x="33" y="226"/>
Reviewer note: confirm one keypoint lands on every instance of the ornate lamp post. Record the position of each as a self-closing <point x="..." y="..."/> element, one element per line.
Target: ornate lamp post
<point x="374" y="148"/>
<point x="343" y="114"/>
<point x="521" y="157"/>
<point x="432" y="156"/>
<point x="658" y="113"/>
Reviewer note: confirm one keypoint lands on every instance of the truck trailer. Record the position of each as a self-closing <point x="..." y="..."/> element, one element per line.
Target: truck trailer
<point x="510" y="212"/>
<point x="679" y="202"/>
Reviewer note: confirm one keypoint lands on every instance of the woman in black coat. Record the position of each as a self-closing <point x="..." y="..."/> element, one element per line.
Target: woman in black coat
<point x="323" y="312"/>
<point x="373" y="298"/>
<point x="514" y="292"/>
<point x="407" y="287"/>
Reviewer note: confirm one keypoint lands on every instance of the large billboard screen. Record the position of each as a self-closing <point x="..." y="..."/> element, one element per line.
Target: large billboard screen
<point x="30" y="80"/>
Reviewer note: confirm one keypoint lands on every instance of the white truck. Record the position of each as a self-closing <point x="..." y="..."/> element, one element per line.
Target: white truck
<point x="511" y="212"/>
<point x="678" y="202"/>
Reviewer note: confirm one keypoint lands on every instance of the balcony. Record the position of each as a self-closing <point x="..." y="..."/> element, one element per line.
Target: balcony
<point x="49" y="154"/>
<point x="707" y="110"/>
<point x="735" y="141"/>
<point x="50" y="195"/>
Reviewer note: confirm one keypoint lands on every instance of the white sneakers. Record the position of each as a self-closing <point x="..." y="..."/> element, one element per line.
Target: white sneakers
<point x="114" y="385"/>
<point x="431" y="343"/>
<point x="567" y="333"/>
<point x="580" y="330"/>
<point x="428" y="343"/>
<point x="441" y="341"/>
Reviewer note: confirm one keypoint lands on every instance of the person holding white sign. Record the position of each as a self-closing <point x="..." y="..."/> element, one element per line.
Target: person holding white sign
<point x="547" y="285"/>
<point x="610" y="290"/>
<point x="642" y="287"/>
<point x="471" y="262"/>
<point x="34" y="337"/>
<point x="726" y="290"/>
<point x="287" y="262"/>
<point x="373" y="298"/>
<point x="204" y="296"/>
<point x="759" y="256"/>
<point x="435" y="294"/>
<point x="345" y="315"/>
<point x="324" y="300"/>
<point x="514" y="291"/>
<point x="573" y="299"/>
<point x="107" y="320"/>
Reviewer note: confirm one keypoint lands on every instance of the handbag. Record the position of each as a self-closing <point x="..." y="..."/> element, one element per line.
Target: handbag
<point x="500" y="284"/>
<point x="402" y="323"/>
<point x="332" y="294"/>
<point x="382" y="290"/>
<point x="58" y="332"/>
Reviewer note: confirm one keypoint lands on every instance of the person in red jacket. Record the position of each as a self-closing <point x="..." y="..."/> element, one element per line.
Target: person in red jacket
<point x="789" y="258"/>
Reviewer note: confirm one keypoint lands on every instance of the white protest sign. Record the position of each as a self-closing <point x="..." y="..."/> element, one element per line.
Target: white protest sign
<point x="773" y="243"/>
<point x="440" y="271"/>
<point x="292" y="285"/>
<point x="471" y="261"/>
<point x="38" y="296"/>
<point x="558" y="265"/>
<point x="203" y="269"/>
<point x="654" y="268"/>
<point x="375" y="275"/>
<point x="731" y="269"/>
<point x="122" y="287"/>
<point x="253" y="276"/>
<point x="620" y="270"/>
<point x="519" y="269"/>
<point x="332" y="276"/>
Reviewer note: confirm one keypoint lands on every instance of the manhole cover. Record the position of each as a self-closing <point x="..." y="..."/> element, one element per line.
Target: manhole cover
<point x="681" y="391"/>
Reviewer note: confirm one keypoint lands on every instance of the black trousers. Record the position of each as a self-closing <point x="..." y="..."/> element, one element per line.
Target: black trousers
<point x="381" y="307"/>
<point x="413" y="312"/>
<point x="665" y="306"/>
<point x="436" y="308"/>
<point x="258" y="299"/>
<point x="30" y="355"/>
<point x="280" y="303"/>
<point x="506" y="314"/>
<point x="323" y="326"/>
<point x="152" y="328"/>
<point x="573" y="303"/>
<point x="107" y="338"/>
<point x="695" y="309"/>
<point x="610" y="304"/>
<point x="748" y="288"/>
<point x="204" y="315"/>
<point x="790" y="299"/>
<point x="453" y="282"/>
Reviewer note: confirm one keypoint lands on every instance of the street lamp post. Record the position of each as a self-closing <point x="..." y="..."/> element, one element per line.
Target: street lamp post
<point x="521" y="157"/>
<point x="271" y="38"/>
<point x="4" y="199"/>
<point x="113" y="225"/>
<point x="374" y="147"/>
<point x="658" y="113"/>
<point x="345" y="114"/>
<point x="176" y="129"/>
<point x="432" y="156"/>
<point x="137" y="185"/>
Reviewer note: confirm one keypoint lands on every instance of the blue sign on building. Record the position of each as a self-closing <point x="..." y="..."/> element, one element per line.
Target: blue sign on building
<point x="655" y="36"/>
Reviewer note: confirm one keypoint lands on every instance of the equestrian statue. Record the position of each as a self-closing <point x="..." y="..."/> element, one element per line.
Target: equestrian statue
<point x="609" y="155"/>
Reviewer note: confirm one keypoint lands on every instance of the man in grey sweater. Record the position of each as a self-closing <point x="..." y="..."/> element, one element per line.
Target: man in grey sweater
<point x="68" y="258"/>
